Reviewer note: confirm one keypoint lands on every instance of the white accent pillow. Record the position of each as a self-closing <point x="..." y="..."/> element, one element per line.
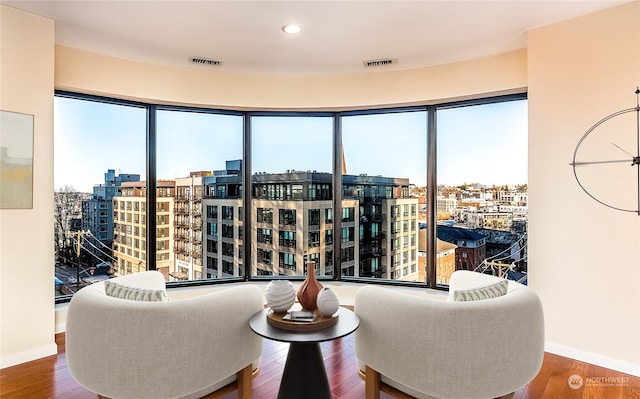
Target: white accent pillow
<point x="477" y="294"/>
<point x="117" y="290"/>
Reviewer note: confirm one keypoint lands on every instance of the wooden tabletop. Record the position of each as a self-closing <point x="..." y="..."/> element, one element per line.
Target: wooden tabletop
<point x="347" y="323"/>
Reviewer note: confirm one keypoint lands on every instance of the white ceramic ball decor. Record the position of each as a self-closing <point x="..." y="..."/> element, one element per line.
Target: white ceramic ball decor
<point x="328" y="302"/>
<point x="280" y="295"/>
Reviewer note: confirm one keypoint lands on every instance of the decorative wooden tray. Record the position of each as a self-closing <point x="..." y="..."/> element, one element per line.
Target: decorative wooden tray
<point x="320" y="322"/>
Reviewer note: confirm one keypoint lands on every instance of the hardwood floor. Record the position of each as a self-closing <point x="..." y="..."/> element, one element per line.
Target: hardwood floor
<point x="49" y="377"/>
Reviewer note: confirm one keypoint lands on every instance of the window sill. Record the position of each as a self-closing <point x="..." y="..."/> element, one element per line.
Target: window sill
<point x="345" y="290"/>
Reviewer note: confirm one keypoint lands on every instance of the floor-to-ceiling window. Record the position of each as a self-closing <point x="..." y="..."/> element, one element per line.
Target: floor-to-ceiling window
<point x="291" y="187"/>
<point x="481" y="207"/>
<point x="242" y="195"/>
<point x="98" y="147"/>
<point x="383" y="195"/>
<point x="199" y="195"/>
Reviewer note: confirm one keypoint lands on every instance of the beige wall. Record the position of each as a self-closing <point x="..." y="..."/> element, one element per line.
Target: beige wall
<point x="584" y="258"/>
<point x="90" y="73"/>
<point x="26" y="245"/>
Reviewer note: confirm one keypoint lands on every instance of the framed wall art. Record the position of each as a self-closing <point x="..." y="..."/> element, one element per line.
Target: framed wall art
<point x="16" y="160"/>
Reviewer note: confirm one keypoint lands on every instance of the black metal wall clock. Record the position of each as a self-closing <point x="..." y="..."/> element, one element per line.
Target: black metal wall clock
<point x="606" y="160"/>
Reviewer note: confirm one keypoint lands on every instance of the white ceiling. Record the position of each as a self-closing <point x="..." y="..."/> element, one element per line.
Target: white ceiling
<point x="337" y="36"/>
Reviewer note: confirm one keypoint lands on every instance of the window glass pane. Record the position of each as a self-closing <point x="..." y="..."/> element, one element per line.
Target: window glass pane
<point x="482" y="190"/>
<point x="384" y="176"/>
<point x="291" y="187"/>
<point x="101" y="199"/>
<point x="199" y="167"/>
<point x="98" y="147"/>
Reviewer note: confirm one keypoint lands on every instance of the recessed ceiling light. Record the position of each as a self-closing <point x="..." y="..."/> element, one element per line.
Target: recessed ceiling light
<point x="292" y="29"/>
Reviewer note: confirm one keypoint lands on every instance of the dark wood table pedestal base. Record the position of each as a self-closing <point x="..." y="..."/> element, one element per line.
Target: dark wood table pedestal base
<point x="304" y="375"/>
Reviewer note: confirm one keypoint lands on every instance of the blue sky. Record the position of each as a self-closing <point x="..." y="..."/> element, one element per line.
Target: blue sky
<point x="485" y="144"/>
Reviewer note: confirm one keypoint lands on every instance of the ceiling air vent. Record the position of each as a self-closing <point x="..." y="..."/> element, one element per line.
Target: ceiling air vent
<point x="379" y="63"/>
<point x="204" y="61"/>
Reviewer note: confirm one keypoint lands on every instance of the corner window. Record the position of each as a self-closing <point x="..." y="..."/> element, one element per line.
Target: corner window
<point x="197" y="226"/>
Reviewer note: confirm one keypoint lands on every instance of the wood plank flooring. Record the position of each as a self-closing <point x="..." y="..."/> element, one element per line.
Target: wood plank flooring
<point x="50" y="378"/>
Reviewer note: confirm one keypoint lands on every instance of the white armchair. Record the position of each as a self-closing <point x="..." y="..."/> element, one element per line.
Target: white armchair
<point x="188" y="348"/>
<point x="429" y="348"/>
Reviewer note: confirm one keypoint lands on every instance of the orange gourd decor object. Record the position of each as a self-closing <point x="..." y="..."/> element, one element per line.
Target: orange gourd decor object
<point x="308" y="291"/>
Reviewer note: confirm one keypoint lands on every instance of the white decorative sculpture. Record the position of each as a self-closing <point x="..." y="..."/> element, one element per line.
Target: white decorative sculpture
<point x="280" y="295"/>
<point x="328" y="302"/>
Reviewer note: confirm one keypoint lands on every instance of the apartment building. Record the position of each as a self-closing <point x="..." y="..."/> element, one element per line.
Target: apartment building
<point x="129" y="226"/>
<point x="294" y="217"/>
<point x="513" y="197"/>
<point x="97" y="214"/>
<point x="471" y="248"/>
<point x="445" y="205"/>
<point x="445" y="261"/>
<point x="487" y="220"/>
<point x="222" y="227"/>
<point x="187" y="232"/>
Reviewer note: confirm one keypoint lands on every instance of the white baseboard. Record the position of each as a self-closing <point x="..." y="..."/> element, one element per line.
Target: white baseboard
<point x="61" y="327"/>
<point x="592" y="358"/>
<point x="61" y="317"/>
<point x="27" y="356"/>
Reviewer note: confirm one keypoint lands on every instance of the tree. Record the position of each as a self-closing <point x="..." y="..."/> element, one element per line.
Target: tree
<point x="419" y="191"/>
<point x="67" y="205"/>
<point x="444" y="216"/>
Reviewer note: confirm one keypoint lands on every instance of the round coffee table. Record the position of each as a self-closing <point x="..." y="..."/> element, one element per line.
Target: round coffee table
<point x="304" y="374"/>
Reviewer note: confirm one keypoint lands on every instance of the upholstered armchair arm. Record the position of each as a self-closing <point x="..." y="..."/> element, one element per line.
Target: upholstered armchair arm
<point x="161" y="349"/>
<point x="466" y="350"/>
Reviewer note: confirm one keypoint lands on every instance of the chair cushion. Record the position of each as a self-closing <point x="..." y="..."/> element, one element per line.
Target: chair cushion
<point x="117" y="290"/>
<point x="477" y="294"/>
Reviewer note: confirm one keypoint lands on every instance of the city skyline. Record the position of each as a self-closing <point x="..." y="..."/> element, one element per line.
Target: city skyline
<point x="300" y="143"/>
